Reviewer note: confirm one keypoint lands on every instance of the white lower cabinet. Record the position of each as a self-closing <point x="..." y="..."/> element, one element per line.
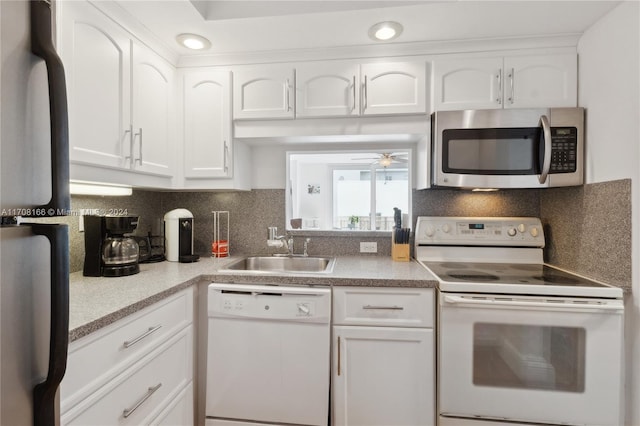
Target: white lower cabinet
<point x="383" y="373"/>
<point x="138" y="370"/>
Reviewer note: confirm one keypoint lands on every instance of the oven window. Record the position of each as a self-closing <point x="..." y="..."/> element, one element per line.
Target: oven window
<point x="491" y="151"/>
<point x="529" y="357"/>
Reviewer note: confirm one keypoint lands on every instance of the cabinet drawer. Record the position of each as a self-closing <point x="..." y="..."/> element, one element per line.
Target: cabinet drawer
<point x="97" y="358"/>
<point x="179" y="411"/>
<point x="140" y="393"/>
<point x="383" y="307"/>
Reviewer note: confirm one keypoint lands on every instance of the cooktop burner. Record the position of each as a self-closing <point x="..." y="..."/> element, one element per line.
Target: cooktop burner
<point x="472" y="276"/>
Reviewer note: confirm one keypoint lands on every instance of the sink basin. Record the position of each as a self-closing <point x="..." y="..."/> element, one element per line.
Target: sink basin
<point x="282" y="264"/>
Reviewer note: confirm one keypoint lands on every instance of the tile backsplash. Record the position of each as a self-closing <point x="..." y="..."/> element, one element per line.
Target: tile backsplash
<point x="587" y="227"/>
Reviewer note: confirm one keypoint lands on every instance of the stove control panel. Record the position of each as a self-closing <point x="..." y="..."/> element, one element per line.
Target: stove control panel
<point x="479" y="231"/>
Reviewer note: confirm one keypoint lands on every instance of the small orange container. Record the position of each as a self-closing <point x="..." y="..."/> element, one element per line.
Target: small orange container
<point x="220" y="248"/>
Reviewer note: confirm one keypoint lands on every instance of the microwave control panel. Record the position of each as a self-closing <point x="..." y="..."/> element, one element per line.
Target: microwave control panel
<point x="564" y="143"/>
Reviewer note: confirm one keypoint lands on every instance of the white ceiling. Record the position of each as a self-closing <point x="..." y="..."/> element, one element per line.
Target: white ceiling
<point x="238" y="26"/>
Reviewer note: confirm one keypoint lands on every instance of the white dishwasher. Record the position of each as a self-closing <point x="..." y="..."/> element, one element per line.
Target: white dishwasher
<point x="268" y="358"/>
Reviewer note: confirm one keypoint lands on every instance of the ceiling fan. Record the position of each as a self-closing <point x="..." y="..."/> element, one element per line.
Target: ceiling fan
<point x="385" y="159"/>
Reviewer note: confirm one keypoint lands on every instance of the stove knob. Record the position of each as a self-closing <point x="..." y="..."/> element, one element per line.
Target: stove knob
<point x="429" y="231"/>
<point x="522" y="228"/>
<point x="534" y="232"/>
<point x="511" y="232"/>
<point x="446" y="228"/>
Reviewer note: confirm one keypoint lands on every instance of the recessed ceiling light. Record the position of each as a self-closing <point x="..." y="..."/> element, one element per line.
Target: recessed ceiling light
<point x="193" y="41"/>
<point x="385" y="31"/>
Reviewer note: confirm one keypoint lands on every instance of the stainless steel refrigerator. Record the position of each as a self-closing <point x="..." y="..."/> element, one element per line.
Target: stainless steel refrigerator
<point x="34" y="183"/>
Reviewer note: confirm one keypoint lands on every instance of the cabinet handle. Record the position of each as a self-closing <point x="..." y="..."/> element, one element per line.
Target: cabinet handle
<point x="499" y="77"/>
<point x="286" y="94"/>
<point x="512" y="93"/>
<point x="129" y="131"/>
<point x="151" y="330"/>
<point x="339" y="356"/>
<point x="226" y="154"/>
<point x="389" y="308"/>
<point x="366" y="100"/>
<point x="139" y="134"/>
<point x="129" y="411"/>
<point x="354" y="94"/>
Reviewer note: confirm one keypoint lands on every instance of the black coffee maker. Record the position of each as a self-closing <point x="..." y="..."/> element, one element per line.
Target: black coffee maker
<point x="108" y="252"/>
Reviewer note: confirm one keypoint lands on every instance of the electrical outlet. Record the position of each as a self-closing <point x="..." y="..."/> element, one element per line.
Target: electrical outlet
<point x="368" y="247"/>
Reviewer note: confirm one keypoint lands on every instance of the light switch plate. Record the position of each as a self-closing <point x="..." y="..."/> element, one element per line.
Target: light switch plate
<point x="368" y="247"/>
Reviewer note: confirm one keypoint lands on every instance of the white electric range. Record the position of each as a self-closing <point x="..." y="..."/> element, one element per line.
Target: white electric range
<point x="519" y="341"/>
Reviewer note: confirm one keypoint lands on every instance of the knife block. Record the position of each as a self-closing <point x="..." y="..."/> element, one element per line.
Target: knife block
<point x="399" y="252"/>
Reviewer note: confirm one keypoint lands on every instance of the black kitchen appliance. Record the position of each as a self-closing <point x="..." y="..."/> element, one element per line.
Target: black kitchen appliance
<point x="108" y="251"/>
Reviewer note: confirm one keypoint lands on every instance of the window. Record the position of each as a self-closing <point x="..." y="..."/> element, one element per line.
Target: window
<point x="353" y="191"/>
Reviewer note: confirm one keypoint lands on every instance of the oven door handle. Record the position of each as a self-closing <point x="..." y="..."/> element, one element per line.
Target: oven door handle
<point x="546" y="163"/>
<point x="609" y="307"/>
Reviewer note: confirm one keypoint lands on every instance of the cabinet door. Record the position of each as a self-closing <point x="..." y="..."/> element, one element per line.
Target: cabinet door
<point x="207" y="124"/>
<point x="468" y="83"/>
<point x="394" y="88"/>
<point x="263" y="92"/>
<point x="153" y="116"/>
<point x="541" y="81"/>
<point x="96" y="54"/>
<point x="327" y="89"/>
<point x="383" y="376"/>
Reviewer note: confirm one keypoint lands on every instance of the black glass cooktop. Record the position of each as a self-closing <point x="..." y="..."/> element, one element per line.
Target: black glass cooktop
<point x="506" y="273"/>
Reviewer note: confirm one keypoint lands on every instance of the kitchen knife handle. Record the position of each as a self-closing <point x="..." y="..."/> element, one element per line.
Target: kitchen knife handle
<point x="42" y="46"/>
<point x="44" y="393"/>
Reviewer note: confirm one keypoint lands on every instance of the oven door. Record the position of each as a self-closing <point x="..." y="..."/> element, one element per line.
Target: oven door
<point x="530" y="359"/>
<point x="507" y="148"/>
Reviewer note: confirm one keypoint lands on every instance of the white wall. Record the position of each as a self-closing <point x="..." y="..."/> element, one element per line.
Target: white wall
<point x="609" y="89"/>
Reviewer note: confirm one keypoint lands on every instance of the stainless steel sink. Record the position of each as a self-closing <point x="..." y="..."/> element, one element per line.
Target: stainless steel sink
<point x="284" y="264"/>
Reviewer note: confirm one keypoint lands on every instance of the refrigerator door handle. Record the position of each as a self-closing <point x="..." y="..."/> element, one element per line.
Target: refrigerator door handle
<point x="42" y="46"/>
<point x="44" y="394"/>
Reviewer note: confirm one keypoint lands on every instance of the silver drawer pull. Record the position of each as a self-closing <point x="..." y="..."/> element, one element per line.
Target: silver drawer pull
<point x="151" y="330"/>
<point x="390" y="308"/>
<point x="129" y="411"/>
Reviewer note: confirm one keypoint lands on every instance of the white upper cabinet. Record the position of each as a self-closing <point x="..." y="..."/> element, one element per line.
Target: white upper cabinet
<point x="96" y="55"/>
<point x="263" y="91"/>
<point x="468" y="83"/>
<point x="541" y="81"/>
<point x="326" y="89"/>
<point x="505" y="82"/>
<point x="207" y="125"/>
<point x="153" y="112"/>
<point x="121" y="97"/>
<point x="330" y="89"/>
<point x="394" y="88"/>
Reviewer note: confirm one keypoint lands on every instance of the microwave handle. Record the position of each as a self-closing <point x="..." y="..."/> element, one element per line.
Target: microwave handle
<point x="546" y="164"/>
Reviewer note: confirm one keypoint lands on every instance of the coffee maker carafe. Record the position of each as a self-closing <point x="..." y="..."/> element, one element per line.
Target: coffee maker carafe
<point x="108" y="251"/>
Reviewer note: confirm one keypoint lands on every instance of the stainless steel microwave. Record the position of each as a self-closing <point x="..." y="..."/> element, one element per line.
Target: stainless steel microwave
<point x="508" y="148"/>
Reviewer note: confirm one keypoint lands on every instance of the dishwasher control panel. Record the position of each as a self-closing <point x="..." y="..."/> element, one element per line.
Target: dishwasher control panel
<point x="270" y="302"/>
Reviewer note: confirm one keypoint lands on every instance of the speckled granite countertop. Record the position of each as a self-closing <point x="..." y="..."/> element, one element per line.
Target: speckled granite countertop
<point x="96" y="302"/>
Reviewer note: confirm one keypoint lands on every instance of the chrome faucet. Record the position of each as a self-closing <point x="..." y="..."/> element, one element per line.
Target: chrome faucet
<point x="306" y="247"/>
<point x="275" y="240"/>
